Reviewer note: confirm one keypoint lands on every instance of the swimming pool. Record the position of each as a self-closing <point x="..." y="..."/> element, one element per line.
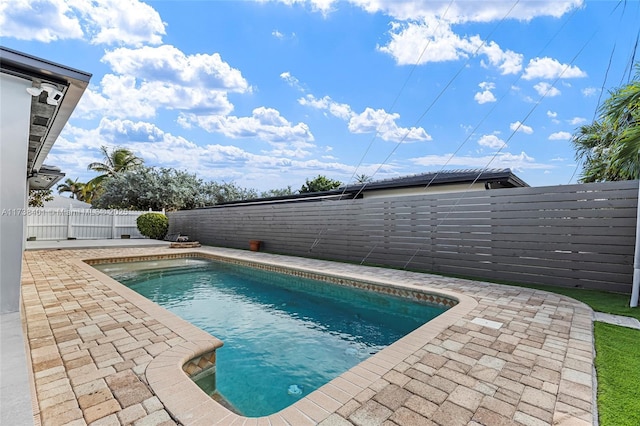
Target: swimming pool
<point x="284" y="336"/>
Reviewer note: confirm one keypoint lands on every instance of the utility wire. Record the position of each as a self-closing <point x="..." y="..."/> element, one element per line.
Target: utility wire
<point x="496" y="104"/>
<point x="533" y="108"/>
<point x="444" y="89"/>
<point x="393" y="104"/>
<point x="604" y="82"/>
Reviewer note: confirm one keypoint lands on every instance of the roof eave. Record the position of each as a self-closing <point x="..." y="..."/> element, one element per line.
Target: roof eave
<point x="38" y="71"/>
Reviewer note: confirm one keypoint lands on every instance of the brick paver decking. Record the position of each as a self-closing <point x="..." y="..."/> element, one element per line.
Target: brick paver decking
<point x="102" y="356"/>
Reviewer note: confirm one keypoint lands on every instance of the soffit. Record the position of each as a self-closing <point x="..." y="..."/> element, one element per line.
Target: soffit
<point x="46" y="120"/>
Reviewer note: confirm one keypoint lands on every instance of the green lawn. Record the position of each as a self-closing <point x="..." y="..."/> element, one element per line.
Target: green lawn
<point x="618" y="367"/>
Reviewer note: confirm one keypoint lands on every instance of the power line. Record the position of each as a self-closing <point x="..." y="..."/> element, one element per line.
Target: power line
<point x="495" y="105"/>
<point x="444" y="89"/>
<point x="521" y="123"/>
<point x="604" y="82"/>
<point x="404" y="85"/>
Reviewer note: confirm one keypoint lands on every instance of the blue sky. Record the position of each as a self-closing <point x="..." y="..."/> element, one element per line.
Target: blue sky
<point x="268" y="93"/>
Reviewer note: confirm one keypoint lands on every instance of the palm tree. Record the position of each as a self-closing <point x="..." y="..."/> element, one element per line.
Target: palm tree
<point x="610" y="147"/>
<point x="89" y="192"/>
<point x="362" y="178"/>
<point x="74" y="187"/>
<point x="116" y="161"/>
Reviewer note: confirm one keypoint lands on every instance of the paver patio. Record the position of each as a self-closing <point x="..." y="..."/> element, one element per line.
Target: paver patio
<point x="102" y="355"/>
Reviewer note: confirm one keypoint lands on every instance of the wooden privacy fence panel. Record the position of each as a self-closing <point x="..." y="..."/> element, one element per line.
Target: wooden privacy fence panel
<point x="573" y="235"/>
<point x="87" y="224"/>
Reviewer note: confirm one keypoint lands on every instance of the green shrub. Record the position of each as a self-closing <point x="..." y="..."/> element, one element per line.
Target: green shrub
<point x="153" y="225"/>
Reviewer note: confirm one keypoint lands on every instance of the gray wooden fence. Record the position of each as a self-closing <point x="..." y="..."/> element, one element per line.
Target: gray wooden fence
<point x="573" y="235"/>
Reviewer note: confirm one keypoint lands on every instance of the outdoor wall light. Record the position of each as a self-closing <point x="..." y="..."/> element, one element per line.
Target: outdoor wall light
<point x="54" y="95"/>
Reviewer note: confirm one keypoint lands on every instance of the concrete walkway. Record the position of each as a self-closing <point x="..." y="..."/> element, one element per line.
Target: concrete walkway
<point x="617" y="320"/>
<point x="15" y="390"/>
<point x="85" y="244"/>
<point x="516" y="357"/>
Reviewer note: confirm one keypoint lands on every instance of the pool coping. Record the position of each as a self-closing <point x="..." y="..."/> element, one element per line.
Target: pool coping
<point x="187" y="403"/>
<point x="521" y="356"/>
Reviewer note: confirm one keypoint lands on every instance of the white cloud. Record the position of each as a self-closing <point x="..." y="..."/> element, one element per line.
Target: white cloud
<point x="576" y="121"/>
<point x="121" y="22"/>
<point x="519" y="127"/>
<point x="470" y="11"/>
<point x="486" y="95"/>
<point x="169" y="64"/>
<point x="545" y="89"/>
<point x="492" y="141"/>
<point x="322" y="6"/>
<point x="78" y="147"/>
<point x="508" y="62"/>
<point x="487" y="85"/>
<point x="342" y="111"/>
<point x="552" y="115"/>
<point x="380" y="122"/>
<point x="419" y="43"/>
<point x="549" y="69"/>
<point x="369" y="121"/>
<point x="128" y="22"/>
<point x="516" y="162"/>
<point x="43" y="21"/>
<point x="432" y="41"/>
<point x="590" y="91"/>
<point x="291" y="81"/>
<point x="150" y="78"/>
<point x="265" y="124"/>
<point x="125" y="97"/>
<point x="560" y="136"/>
<point x="282" y="36"/>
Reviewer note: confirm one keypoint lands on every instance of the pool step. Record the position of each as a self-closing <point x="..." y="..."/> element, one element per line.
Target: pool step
<point x="187" y="244"/>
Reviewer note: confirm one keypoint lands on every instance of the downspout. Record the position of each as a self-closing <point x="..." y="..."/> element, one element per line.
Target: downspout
<point x="635" y="289"/>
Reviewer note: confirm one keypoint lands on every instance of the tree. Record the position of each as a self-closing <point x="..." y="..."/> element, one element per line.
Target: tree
<point x="90" y="191"/>
<point x="165" y="188"/>
<point x="74" y="187"/>
<point x="283" y="192"/>
<point x="213" y="193"/>
<point x="320" y="183"/>
<point x="119" y="160"/>
<point x="610" y="146"/>
<point x="149" y="188"/>
<point x="37" y="197"/>
<point x="363" y="179"/>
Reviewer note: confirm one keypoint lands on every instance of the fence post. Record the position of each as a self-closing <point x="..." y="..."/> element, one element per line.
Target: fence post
<point x="113" y="226"/>
<point x="69" y="224"/>
<point x="635" y="284"/>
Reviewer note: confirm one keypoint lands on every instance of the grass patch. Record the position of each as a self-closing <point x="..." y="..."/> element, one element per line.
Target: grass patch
<point x="618" y="366"/>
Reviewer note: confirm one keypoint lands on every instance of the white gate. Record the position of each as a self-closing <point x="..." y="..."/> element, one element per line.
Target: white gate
<point x="81" y="224"/>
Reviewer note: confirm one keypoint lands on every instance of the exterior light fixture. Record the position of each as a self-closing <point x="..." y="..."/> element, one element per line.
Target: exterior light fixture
<point x="54" y="95"/>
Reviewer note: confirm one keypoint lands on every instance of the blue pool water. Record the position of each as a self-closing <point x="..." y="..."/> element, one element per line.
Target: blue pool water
<point x="284" y="336"/>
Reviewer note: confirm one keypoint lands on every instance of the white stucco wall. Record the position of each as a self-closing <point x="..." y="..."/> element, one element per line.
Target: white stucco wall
<point x="436" y="189"/>
<point x="15" y="110"/>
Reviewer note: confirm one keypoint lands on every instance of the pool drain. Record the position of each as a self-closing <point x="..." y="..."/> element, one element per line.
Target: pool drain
<point x="351" y="352"/>
<point x="294" y="390"/>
